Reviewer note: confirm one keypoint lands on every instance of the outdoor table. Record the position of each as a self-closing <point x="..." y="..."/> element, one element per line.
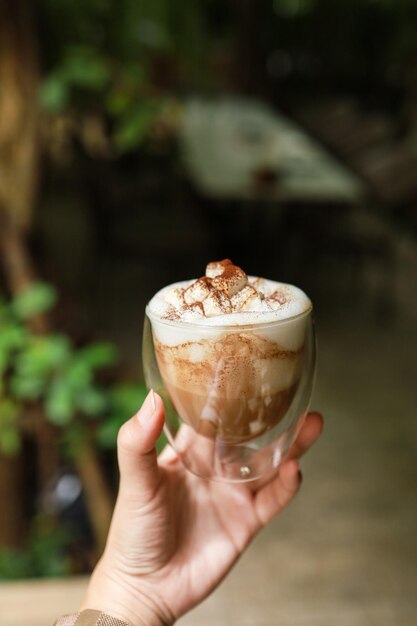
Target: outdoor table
<point x="271" y="195"/>
<point x="237" y="149"/>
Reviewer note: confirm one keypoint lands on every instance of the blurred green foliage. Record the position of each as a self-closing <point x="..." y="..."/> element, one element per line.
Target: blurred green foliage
<point x="128" y="62"/>
<point x="44" y="555"/>
<point x="48" y="377"/>
<point x="122" y="59"/>
<point x="47" y="370"/>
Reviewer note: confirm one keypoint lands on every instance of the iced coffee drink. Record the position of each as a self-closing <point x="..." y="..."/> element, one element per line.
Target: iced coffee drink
<point x="229" y="348"/>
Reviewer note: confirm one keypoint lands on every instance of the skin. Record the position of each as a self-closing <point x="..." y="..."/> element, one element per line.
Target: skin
<point x="174" y="536"/>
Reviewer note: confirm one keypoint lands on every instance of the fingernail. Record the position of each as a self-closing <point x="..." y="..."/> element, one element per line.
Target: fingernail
<point x="147" y="409"/>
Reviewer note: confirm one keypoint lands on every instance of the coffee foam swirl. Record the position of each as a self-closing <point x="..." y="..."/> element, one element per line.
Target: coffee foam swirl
<point x="227" y="296"/>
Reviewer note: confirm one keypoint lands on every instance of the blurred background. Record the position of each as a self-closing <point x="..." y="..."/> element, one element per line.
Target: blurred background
<point x="140" y="139"/>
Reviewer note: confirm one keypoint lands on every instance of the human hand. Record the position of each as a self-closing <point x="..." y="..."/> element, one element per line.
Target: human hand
<point x="174" y="536"/>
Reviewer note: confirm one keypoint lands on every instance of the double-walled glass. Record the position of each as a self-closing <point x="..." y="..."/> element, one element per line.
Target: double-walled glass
<point x="235" y="396"/>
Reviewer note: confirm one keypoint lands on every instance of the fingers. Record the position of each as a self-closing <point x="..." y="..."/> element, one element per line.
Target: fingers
<point x="276" y="495"/>
<point x="309" y="433"/>
<point x="168" y="455"/>
<point x="139" y="472"/>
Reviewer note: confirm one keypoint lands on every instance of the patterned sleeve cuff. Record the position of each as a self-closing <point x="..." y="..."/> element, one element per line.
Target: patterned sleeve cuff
<point x="89" y="618"/>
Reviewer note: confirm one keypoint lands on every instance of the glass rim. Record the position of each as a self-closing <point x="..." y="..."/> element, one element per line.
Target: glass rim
<point x="221" y="327"/>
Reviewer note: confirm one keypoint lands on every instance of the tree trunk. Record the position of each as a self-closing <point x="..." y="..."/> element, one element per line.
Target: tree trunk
<point x="18" y="175"/>
<point x="12" y="519"/>
<point x="19" y="79"/>
<point x="97" y="493"/>
<point x="19" y="170"/>
<point x="18" y="267"/>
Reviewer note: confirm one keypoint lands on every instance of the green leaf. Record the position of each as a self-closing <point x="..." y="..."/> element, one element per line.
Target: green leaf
<point x="48" y="547"/>
<point x="8" y="411"/>
<point x="161" y="443"/>
<point x="125" y="401"/>
<point x="45" y="552"/>
<point x="134" y="127"/>
<point x="74" y="437"/>
<point x="9" y="433"/>
<point x="33" y="368"/>
<point x="10" y="441"/>
<point x="54" y="93"/>
<point x="4" y="362"/>
<point x="92" y="401"/>
<point x="44" y="355"/>
<point x="118" y="102"/>
<point x="107" y="433"/>
<point x="14" y="564"/>
<point x="152" y="34"/>
<point x="98" y="355"/>
<point x="13" y="335"/>
<point x="136" y="73"/>
<point x="38" y="298"/>
<point x="54" y="350"/>
<point x="27" y="388"/>
<point x="4" y="309"/>
<point x="79" y="374"/>
<point x="59" y="403"/>
<point x="84" y="68"/>
<point x="11" y="338"/>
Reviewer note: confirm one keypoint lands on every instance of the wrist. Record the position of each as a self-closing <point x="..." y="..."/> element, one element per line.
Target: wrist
<point x="122" y="612"/>
<point x="125" y="599"/>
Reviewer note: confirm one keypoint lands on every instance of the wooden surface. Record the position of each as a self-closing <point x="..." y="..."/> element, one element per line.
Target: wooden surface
<point x="39" y="603"/>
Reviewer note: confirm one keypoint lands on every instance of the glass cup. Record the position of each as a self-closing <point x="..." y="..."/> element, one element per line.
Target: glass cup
<point x="235" y="396"/>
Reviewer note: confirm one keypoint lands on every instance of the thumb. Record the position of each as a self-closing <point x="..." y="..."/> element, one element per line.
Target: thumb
<point x="139" y="471"/>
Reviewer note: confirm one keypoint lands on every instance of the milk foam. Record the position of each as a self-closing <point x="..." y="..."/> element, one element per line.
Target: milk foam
<point x="225" y="290"/>
<point x="296" y="303"/>
<point x="291" y="315"/>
